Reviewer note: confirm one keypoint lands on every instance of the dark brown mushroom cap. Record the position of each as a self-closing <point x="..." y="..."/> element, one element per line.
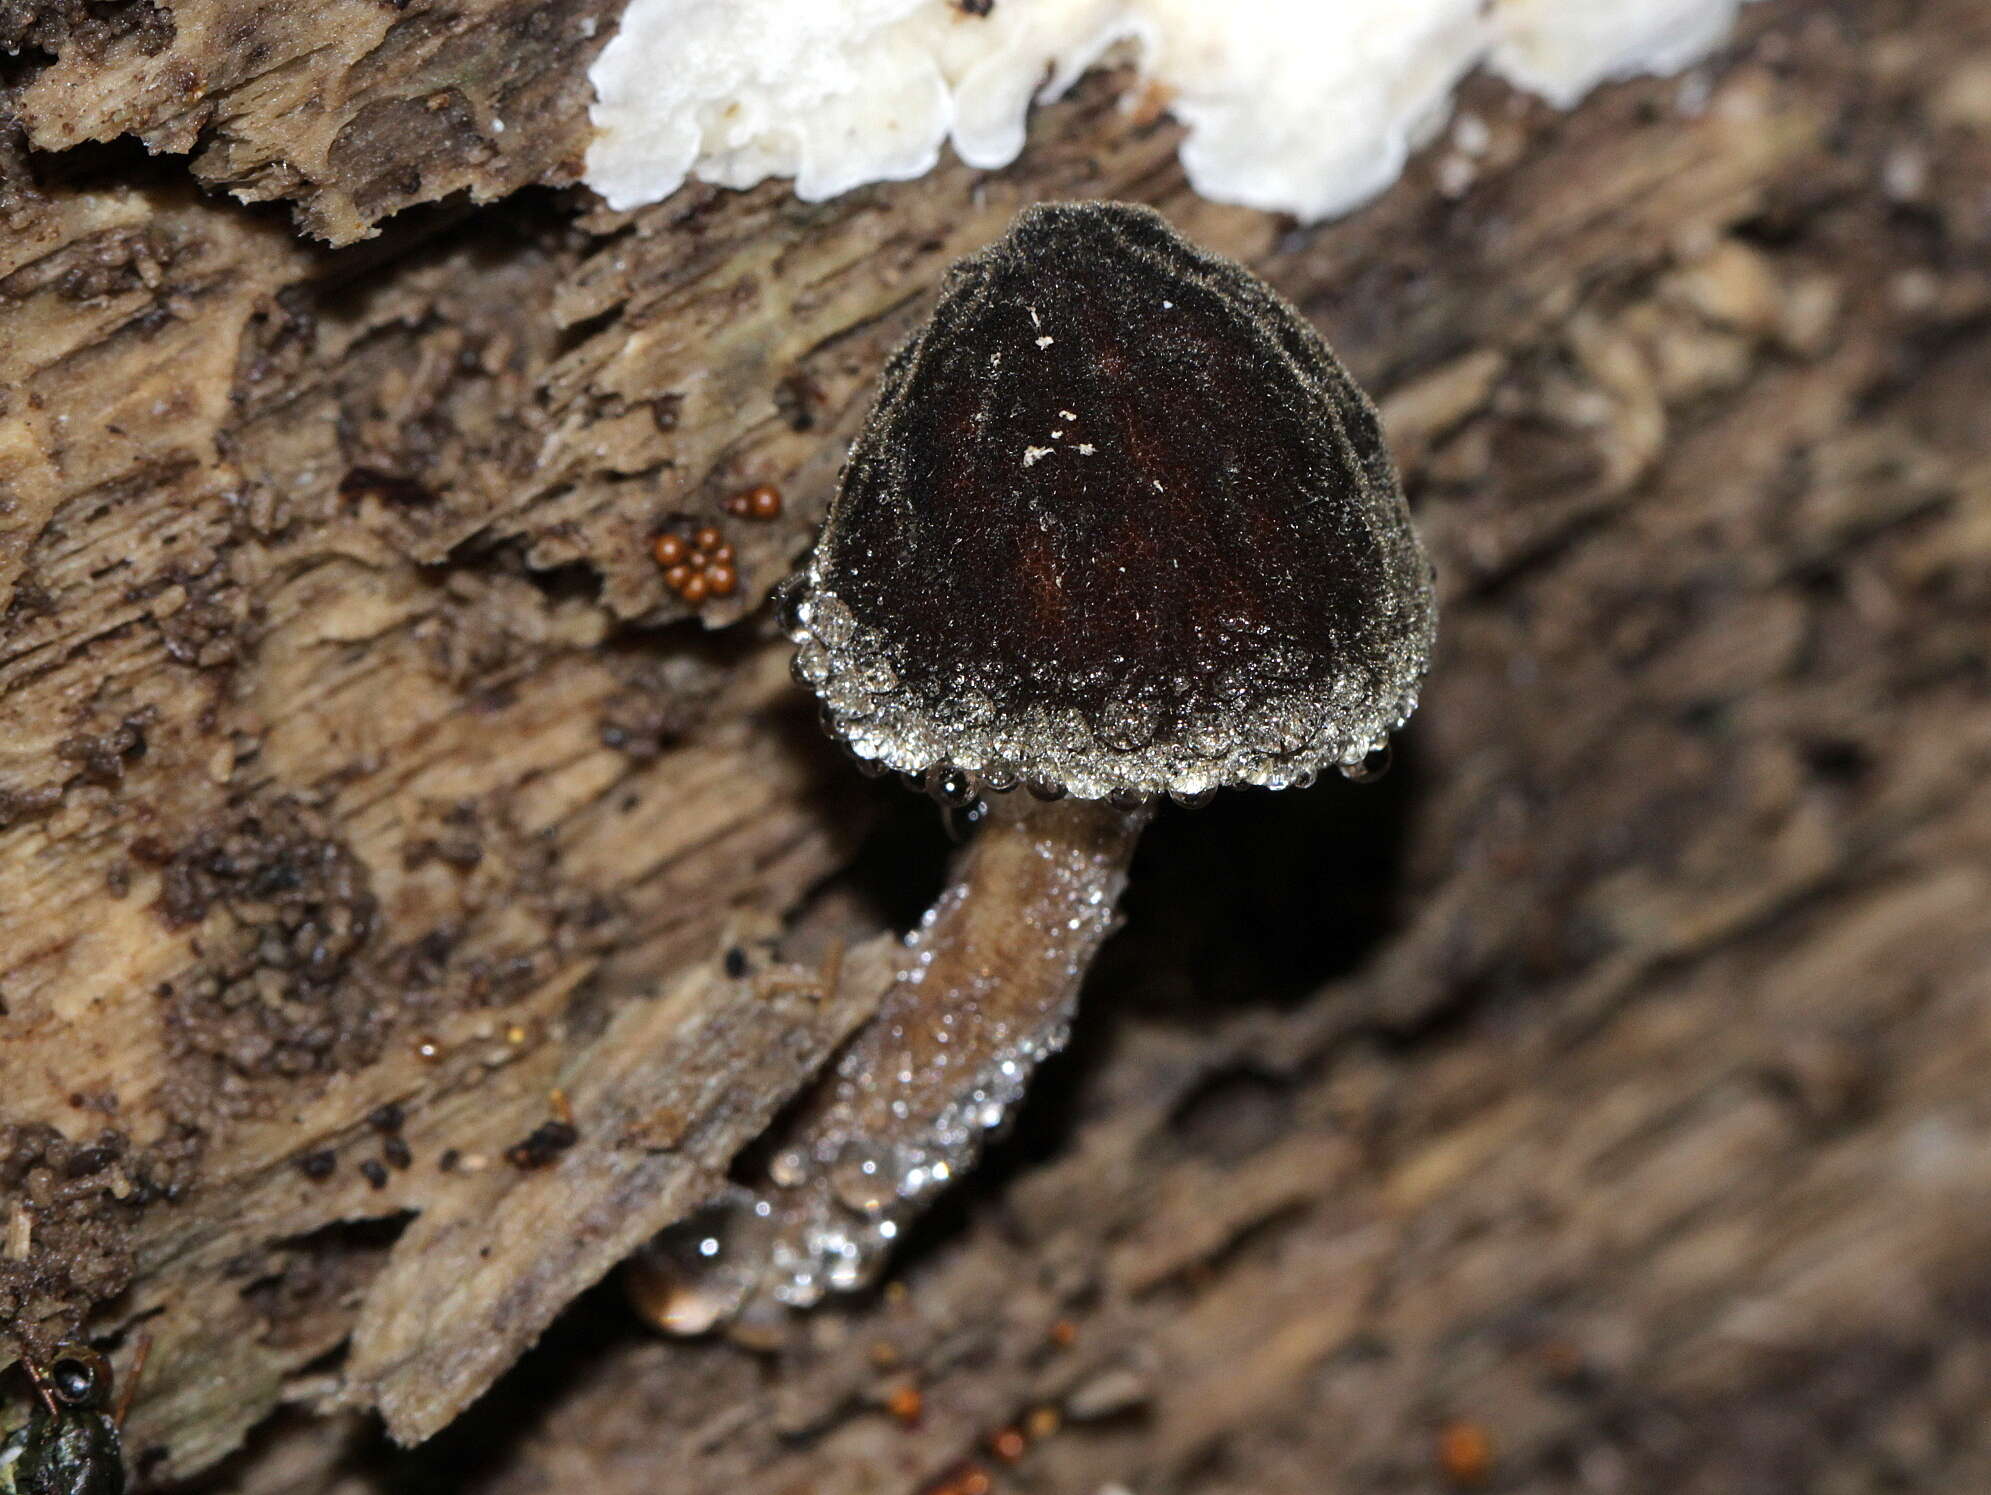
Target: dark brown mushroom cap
<point x="1119" y="522"/>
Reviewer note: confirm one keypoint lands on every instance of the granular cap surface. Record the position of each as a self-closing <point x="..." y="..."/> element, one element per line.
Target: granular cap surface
<point x="1119" y="523"/>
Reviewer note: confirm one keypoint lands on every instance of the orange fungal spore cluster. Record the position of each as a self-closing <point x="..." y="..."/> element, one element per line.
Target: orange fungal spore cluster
<point x="762" y="501"/>
<point x="698" y="565"/>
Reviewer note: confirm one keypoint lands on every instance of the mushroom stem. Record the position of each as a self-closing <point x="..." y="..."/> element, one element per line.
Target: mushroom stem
<point x="997" y="965"/>
<point x="988" y="994"/>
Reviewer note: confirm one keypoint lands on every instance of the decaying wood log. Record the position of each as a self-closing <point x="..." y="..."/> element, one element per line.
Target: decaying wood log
<point x="1599" y="1098"/>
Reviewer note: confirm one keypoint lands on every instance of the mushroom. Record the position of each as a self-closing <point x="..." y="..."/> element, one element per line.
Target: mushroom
<point x="1119" y="526"/>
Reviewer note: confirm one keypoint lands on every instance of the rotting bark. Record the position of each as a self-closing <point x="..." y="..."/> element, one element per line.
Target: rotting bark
<point x="1609" y="1079"/>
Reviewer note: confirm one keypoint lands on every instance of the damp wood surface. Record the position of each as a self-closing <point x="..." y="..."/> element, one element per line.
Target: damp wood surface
<point x="1594" y="1104"/>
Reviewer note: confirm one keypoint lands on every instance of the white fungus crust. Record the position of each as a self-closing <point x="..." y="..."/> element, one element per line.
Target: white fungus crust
<point x="1301" y="106"/>
<point x="1561" y="49"/>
